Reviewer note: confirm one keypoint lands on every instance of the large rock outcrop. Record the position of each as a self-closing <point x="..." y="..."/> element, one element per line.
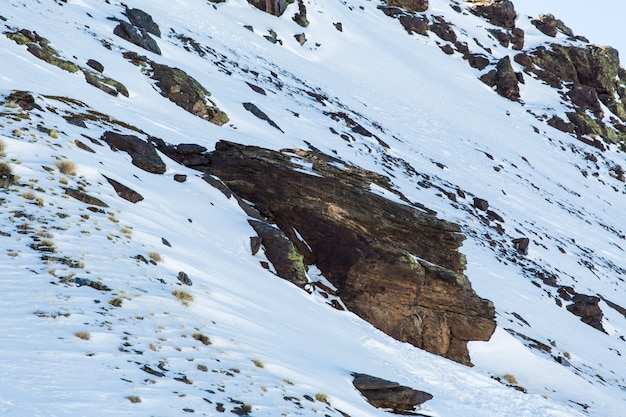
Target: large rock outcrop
<point x="394" y="265"/>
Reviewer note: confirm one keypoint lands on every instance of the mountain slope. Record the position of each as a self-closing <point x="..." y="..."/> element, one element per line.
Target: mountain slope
<point x="426" y="121"/>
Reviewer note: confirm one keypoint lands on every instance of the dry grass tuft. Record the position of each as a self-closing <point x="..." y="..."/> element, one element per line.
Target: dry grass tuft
<point x="510" y="379"/>
<point x="134" y="399"/>
<point x="183" y="296"/>
<point x="155" y="256"/>
<point x="202" y="338"/>
<point x="3" y="148"/>
<point x="83" y="335"/>
<point x="321" y="397"/>
<point x="258" y="363"/>
<point x="66" y="167"/>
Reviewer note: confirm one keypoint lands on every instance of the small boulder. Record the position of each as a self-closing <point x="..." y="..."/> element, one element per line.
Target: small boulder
<point x="410" y="5"/>
<point x="95" y="65"/>
<point x="123" y="191"/>
<point x="506" y="80"/>
<point x="498" y="12"/>
<point x="184" y="278"/>
<point x="550" y="26"/>
<point x="252" y="108"/>
<point x="586" y="307"/>
<point x="143" y="20"/>
<point x="137" y="36"/>
<point x="143" y="154"/>
<point x="521" y="244"/>
<point x="414" y="24"/>
<point x="382" y="393"/>
<point x="481" y="204"/>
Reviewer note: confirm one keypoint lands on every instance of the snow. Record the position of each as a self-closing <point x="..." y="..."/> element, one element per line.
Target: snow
<point x="433" y="112"/>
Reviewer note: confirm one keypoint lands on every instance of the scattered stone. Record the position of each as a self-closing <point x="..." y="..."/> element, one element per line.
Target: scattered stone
<point x="382" y="393"/>
<point x="252" y="108"/>
<point x="507" y="80"/>
<point x="180" y="177"/>
<point x="414" y="24"/>
<point x="137" y="36"/>
<point x="274" y="7"/>
<point x="586" y="307"/>
<point x="517" y="39"/>
<point x="124" y="192"/>
<point x="95" y="65"/>
<point x="338" y="26"/>
<point x="481" y="204"/>
<point x="143" y="20"/>
<point x="494" y="216"/>
<point x="300" y="17"/>
<point x="443" y="30"/>
<point x="165" y="242"/>
<point x="142" y="153"/>
<point x="521" y="245"/>
<point x="478" y="61"/>
<point x="301" y="38"/>
<point x="24" y="99"/>
<point x="256" y="88"/>
<point x="76" y="120"/>
<point x="184" y="91"/>
<point x="184" y="278"/>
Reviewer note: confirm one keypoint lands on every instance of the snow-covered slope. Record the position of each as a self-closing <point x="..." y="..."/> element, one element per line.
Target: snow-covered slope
<point x="94" y="320"/>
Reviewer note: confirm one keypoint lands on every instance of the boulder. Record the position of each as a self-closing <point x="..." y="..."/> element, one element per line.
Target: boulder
<point x="410" y="5"/>
<point x="394" y="265"/>
<point x="506" y="80"/>
<point x="143" y="21"/>
<point x="252" y="108"/>
<point x="142" y="153"/>
<point x="186" y="92"/>
<point x="414" y="24"/>
<point x="382" y="393"/>
<point x="137" y="36"/>
<point x="123" y="191"/>
<point x="586" y="307"/>
<point x="273" y="7"/>
<point x="498" y="12"/>
<point x="550" y="26"/>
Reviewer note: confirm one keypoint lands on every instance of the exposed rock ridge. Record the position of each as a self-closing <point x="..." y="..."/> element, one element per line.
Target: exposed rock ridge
<point x="393" y="265"/>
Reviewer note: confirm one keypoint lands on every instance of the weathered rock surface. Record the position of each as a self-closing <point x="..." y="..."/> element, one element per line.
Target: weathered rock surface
<point x="382" y="393"/>
<point x="274" y="7"/>
<point x="498" y="12"/>
<point x="550" y="26"/>
<point x="123" y="191"/>
<point x="142" y="153"/>
<point x="186" y="92"/>
<point x="586" y="307"/>
<point x="393" y="265"/>
<point x="137" y="36"/>
<point x="410" y="5"/>
<point x="143" y="20"/>
<point x="506" y="80"/>
<point x="252" y="108"/>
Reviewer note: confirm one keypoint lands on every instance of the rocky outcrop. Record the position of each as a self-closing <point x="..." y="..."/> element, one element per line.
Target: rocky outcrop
<point x="504" y="79"/>
<point x="143" y="20"/>
<point x="186" y="92"/>
<point x="498" y="12"/>
<point x="137" y="36"/>
<point x="550" y="26"/>
<point x="252" y="108"/>
<point x="586" y="307"/>
<point x="382" y="393"/>
<point x="395" y="266"/>
<point x="274" y="7"/>
<point x="410" y="5"/>
<point x="142" y="153"/>
<point x="123" y="191"/>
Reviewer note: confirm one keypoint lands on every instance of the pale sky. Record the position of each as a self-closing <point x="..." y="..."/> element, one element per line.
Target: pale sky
<point x="603" y="22"/>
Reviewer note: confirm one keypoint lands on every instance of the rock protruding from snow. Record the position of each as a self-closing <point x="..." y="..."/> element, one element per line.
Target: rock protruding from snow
<point x="143" y="154"/>
<point x="498" y="12"/>
<point x="586" y="307"/>
<point x="382" y="393"/>
<point x="393" y="265"/>
<point x="137" y="36"/>
<point x="550" y="26"/>
<point x="410" y="5"/>
<point x="143" y="20"/>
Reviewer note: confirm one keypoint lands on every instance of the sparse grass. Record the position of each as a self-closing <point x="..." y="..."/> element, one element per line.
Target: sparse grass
<point x="83" y="335"/>
<point x="134" y="399"/>
<point x="183" y="296"/>
<point x="63" y="181"/>
<point x="258" y="363"/>
<point x="128" y="232"/>
<point x="202" y="368"/>
<point x="321" y="397"/>
<point x="116" y="302"/>
<point x="202" y="338"/>
<point x="66" y="167"/>
<point x="29" y="195"/>
<point x="567" y="355"/>
<point x="510" y="379"/>
<point x="17" y="133"/>
<point x="155" y="256"/>
<point x="3" y="148"/>
<point x="5" y="169"/>
<point x="153" y="347"/>
<point x="54" y="134"/>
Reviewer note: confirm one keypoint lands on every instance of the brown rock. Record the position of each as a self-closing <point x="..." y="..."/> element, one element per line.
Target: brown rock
<point x="586" y="307"/>
<point x="413" y="289"/>
<point x="497" y="12"/>
<point x="506" y="80"/>
<point x="550" y="26"/>
<point x="124" y="192"/>
<point x="517" y="39"/>
<point x="137" y="36"/>
<point x="382" y="393"/>
<point x="481" y="204"/>
<point x="142" y="153"/>
<point x="410" y="5"/>
<point x="414" y="24"/>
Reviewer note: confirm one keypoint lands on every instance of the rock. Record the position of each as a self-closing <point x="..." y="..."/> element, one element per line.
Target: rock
<point x="503" y="37"/>
<point x="143" y="20"/>
<point x="550" y="26"/>
<point x="124" y="192"/>
<point x="410" y="5"/>
<point x="517" y="39"/>
<point x="414" y="24"/>
<point x="521" y="244"/>
<point x="300" y="17"/>
<point x="478" y="61"/>
<point x="338" y="26"/>
<point x="280" y="251"/>
<point x="444" y="30"/>
<point x="84" y="197"/>
<point x="95" y="65"/>
<point x="180" y="177"/>
<point x="301" y="38"/>
<point x="143" y="154"/>
<point x="365" y="245"/>
<point x="506" y="80"/>
<point x="183" y="90"/>
<point x="498" y="12"/>
<point x="184" y="278"/>
<point x="494" y="216"/>
<point x="585" y="98"/>
<point x="387" y="394"/>
<point x="481" y="204"/>
<point x="274" y="7"/>
<point x="24" y="99"/>
<point x="252" y="108"/>
<point x="137" y="36"/>
<point x="560" y="124"/>
<point x="586" y="307"/>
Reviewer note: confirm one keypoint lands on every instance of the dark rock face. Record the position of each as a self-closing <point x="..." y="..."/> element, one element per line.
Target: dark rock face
<point x="143" y="154"/>
<point x="382" y="393"/>
<point x="410" y="5"/>
<point x="550" y="26"/>
<point x="300" y="17"/>
<point x="395" y="266"/>
<point x="252" y="108"/>
<point x="143" y="20"/>
<point x="274" y="7"/>
<point x="186" y="92"/>
<point x="137" y="36"/>
<point x="506" y="80"/>
<point x="498" y="12"/>
<point x="586" y="307"/>
<point x="414" y="24"/>
<point x="123" y="191"/>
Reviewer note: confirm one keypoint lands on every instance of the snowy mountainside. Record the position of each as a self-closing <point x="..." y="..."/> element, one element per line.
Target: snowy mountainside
<point x="95" y="319"/>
